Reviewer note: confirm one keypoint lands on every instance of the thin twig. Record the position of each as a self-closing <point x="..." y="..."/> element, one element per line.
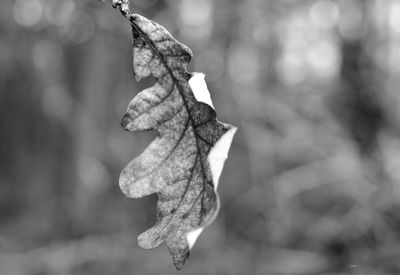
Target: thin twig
<point x="123" y="6"/>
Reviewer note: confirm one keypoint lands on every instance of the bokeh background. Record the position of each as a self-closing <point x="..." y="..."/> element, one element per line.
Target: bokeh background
<point x="312" y="182"/>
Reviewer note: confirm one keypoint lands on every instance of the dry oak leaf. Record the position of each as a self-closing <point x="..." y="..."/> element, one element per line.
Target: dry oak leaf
<point x="183" y="164"/>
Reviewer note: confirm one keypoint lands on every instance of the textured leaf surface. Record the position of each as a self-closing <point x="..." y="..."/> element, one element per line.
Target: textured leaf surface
<point x="182" y="165"/>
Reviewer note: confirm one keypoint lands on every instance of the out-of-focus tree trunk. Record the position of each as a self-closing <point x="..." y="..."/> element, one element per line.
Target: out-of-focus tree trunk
<point x="358" y="103"/>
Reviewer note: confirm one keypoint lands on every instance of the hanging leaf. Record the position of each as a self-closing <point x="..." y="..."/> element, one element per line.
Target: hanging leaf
<point x="183" y="164"/>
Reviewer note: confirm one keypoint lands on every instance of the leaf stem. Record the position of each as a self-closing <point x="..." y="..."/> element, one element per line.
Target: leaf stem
<point x="123" y="6"/>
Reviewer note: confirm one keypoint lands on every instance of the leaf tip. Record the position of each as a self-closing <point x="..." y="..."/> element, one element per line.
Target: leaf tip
<point x="150" y="239"/>
<point x="127" y="185"/>
<point x="124" y="184"/>
<point x="179" y="259"/>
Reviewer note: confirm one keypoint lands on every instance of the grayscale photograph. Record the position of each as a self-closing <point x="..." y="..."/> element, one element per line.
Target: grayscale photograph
<point x="200" y="137"/>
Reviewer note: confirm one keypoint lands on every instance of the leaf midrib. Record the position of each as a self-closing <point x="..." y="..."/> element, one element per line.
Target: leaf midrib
<point x="180" y="90"/>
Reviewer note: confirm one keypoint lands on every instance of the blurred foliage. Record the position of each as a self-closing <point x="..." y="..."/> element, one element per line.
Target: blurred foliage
<point x="312" y="183"/>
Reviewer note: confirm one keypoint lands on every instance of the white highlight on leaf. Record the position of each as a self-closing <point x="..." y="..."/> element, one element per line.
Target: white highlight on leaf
<point x="199" y="88"/>
<point x="219" y="153"/>
<point x="192" y="236"/>
<point x="217" y="156"/>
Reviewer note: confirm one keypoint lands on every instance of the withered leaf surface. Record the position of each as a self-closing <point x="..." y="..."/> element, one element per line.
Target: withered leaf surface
<point x="177" y="164"/>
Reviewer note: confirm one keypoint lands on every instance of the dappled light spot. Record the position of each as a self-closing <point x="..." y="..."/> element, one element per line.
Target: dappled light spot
<point x="394" y="17"/>
<point x="27" y="13"/>
<point x="196" y="18"/>
<point x="290" y="68"/>
<point x="62" y="14"/>
<point x="195" y="12"/>
<point x="324" y="59"/>
<point x="350" y="22"/>
<point x="324" y="14"/>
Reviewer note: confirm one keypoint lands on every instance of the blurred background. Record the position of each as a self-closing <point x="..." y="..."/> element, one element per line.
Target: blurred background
<point x="312" y="182"/>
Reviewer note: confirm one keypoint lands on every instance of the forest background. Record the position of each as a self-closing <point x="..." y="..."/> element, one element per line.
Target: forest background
<point x="312" y="184"/>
